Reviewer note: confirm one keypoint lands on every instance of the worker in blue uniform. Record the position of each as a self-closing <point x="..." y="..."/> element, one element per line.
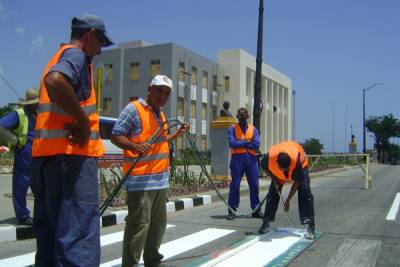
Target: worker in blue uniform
<point x="244" y="141"/>
<point x="21" y="123"/>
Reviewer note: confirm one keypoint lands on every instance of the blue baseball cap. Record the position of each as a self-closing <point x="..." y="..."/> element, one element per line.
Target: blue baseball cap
<point x="90" y="21"/>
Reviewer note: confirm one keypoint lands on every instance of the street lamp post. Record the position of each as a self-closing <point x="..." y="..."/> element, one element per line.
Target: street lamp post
<point x="364" y="133"/>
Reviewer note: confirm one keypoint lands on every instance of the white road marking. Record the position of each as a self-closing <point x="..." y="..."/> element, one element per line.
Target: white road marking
<point x="356" y="253"/>
<point x="183" y="244"/>
<point x="393" y="210"/>
<point x="29" y="258"/>
<point x="261" y="249"/>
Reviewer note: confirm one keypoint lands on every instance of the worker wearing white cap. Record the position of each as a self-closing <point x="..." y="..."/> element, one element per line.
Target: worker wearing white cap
<point x="147" y="184"/>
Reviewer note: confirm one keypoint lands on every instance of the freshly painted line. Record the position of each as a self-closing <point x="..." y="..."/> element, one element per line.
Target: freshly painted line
<point x="393" y="210"/>
<point x="183" y="244"/>
<point x="29" y="258"/>
<point x="356" y="253"/>
<point x="255" y="249"/>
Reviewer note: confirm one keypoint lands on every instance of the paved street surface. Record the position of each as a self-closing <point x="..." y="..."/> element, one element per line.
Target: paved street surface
<point x="358" y="228"/>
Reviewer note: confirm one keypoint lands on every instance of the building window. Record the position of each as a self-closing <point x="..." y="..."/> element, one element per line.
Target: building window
<point x="106" y="108"/>
<point x="181" y="71"/>
<point x="193" y="110"/>
<point x="135" y="71"/>
<point x="203" y="143"/>
<point x="214" y="82"/>
<point x="194" y="76"/>
<point x="205" y="79"/>
<point x="181" y="105"/>
<point x="227" y="84"/>
<point x="109" y="71"/>
<point x="155" y="67"/>
<point x="204" y="112"/>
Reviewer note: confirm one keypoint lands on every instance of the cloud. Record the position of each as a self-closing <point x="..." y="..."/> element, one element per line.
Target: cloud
<point x="38" y="44"/>
<point x="20" y="30"/>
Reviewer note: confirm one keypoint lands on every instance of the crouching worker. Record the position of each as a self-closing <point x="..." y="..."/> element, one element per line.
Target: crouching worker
<point x="287" y="162"/>
<point x="147" y="184"/>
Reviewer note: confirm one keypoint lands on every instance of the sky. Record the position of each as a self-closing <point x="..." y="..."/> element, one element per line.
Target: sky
<point x="331" y="50"/>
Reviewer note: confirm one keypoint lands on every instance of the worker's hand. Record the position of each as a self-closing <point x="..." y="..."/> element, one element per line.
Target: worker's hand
<point x="287" y="205"/>
<point x="78" y="132"/>
<point x="4" y="149"/>
<point x="183" y="129"/>
<point x="141" y="148"/>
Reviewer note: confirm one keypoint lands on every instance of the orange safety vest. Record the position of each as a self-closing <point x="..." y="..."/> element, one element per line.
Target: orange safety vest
<point x="50" y="135"/>
<point x="156" y="159"/>
<point x="248" y="136"/>
<point x="292" y="149"/>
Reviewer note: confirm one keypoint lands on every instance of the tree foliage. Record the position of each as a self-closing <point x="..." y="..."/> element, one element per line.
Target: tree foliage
<point x="384" y="127"/>
<point x="313" y="146"/>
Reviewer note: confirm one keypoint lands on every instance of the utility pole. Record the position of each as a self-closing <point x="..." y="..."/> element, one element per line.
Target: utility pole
<point x="257" y="83"/>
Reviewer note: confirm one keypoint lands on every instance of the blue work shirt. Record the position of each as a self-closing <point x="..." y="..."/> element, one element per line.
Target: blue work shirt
<point x="10" y="121"/>
<point x="235" y="143"/>
<point x="75" y="65"/>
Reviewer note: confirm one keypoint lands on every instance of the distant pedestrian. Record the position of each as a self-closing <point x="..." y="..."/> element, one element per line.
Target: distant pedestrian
<point x="286" y="162"/>
<point x="65" y="150"/>
<point x="21" y="122"/>
<point x="147" y="184"/>
<point x="244" y="141"/>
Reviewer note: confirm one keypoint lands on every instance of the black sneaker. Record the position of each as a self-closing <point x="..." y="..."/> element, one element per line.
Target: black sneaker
<point x="26" y="221"/>
<point x="265" y="228"/>
<point x="231" y="215"/>
<point x="310" y="235"/>
<point x="257" y="214"/>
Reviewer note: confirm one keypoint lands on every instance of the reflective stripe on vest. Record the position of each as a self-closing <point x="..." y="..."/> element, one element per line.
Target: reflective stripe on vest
<point x="22" y="131"/>
<point x="248" y="136"/>
<point x="50" y="134"/>
<point x="53" y="108"/>
<point x="293" y="149"/>
<point x="156" y="160"/>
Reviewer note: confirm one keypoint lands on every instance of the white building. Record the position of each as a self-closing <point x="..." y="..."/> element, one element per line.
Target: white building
<point x="276" y="94"/>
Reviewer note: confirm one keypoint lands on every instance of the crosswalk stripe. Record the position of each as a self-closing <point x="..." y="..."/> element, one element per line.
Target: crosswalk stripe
<point x="394" y="208"/>
<point x="254" y="248"/>
<point x="183" y="244"/>
<point x="356" y="253"/>
<point x="29" y="258"/>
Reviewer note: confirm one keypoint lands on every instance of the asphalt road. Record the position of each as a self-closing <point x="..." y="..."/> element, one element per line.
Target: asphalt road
<point x="352" y="221"/>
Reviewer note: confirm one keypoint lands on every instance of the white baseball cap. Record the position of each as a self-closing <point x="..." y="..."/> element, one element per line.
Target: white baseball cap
<point x="162" y="80"/>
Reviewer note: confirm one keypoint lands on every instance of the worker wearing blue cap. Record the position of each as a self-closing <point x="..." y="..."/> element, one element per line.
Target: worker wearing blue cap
<point x="65" y="149"/>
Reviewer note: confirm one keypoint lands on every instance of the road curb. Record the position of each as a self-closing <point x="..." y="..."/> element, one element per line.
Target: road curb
<point x="13" y="233"/>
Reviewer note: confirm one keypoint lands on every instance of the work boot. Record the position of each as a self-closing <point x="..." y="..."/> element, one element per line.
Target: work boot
<point x="231" y="215"/>
<point x="265" y="228"/>
<point x="26" y="221"/>
<point x="310" y="235"/>
<point x="257" y="214"/>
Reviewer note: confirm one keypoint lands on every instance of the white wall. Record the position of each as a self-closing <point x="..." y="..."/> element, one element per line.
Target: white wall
<point x="276" y="91"/>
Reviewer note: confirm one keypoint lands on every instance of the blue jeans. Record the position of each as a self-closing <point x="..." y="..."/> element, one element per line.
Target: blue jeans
<point x="66" y="212"/>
